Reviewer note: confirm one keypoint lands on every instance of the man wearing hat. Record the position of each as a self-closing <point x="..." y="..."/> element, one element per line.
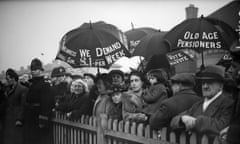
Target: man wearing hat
<point x="213" y="112"/>
<point x="183" y="98"/>
<point x="39" y="102"/>
<point x="60" y="87"/>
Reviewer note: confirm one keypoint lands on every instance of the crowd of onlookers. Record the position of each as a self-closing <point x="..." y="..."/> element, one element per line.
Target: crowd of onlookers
<point x="205" y="102"/>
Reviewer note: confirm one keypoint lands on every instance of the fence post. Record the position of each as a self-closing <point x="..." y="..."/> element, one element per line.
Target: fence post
<point x="101" y="126"/>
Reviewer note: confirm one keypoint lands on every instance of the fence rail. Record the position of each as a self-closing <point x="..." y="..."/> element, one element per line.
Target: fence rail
<point x="93" y="130"/>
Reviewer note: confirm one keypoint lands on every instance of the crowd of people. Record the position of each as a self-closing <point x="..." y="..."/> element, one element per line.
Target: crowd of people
<point x="206" y="102"/>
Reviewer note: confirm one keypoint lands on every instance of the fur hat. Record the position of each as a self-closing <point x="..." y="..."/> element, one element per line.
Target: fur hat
<point x="36" y="64"/>
<point x="212" y="72"/>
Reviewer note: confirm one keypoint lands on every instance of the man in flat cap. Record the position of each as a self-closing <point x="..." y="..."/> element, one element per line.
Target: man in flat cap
<point x="183" y="98"/>
<point x="213" y="112"/>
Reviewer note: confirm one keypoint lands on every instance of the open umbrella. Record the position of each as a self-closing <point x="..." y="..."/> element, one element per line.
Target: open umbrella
<point x="135" y="35"/>
<point x="228" y="14"/>
<point x="151" y="44"/>
<point x="92" y="45"/>
<point x="200" y="34"/>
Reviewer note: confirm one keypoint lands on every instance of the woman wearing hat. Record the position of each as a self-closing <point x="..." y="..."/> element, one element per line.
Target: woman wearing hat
<point x="75" y="105"/>
<point x="116" y="98"/>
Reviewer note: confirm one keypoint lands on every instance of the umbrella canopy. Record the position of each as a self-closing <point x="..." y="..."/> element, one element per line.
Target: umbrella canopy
<point x="92" y="45"/>
<point x="201" y="33"/>
<point x="110" y="28"/>
<point x="151" y="44"/>
<point x="135" y="35"/>
<point x="229" y="14"/>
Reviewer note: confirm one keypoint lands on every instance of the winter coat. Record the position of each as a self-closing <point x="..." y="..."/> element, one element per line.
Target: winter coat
<point x="132" y="108"/>
<point x="76" y="104"/>
<point x="14" y="112"/>
<point x="102" y="105"/>
<point x="40" y="101"/>
<point x="216" y="117"/>
<point x="115" y="111"/>
<point x="170" y="107"/>
<point x="153" y="96"/>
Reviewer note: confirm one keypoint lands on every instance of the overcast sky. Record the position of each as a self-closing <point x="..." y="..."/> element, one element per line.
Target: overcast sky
<point x="30" y="29"/>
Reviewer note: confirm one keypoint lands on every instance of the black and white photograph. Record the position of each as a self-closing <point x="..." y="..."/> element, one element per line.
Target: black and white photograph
<point x="119" y="71"/>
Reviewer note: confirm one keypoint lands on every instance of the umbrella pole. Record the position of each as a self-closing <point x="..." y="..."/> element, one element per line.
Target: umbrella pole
<point x="141" y="63"/>
<point x="132" y="25"/>
<point x="202" y="65"/>
<point x="98" y="70"/>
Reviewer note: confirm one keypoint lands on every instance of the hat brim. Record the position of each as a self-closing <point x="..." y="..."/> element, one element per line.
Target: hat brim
<point x="209" y="78"/>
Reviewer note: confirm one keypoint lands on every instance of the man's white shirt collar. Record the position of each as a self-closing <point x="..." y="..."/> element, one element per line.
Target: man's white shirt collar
<point x="207" y="102"/>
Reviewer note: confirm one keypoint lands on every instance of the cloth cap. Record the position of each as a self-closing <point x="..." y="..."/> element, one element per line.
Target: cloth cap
<point x="36" y="64"/>
<point x="58" y="71"/>
<point x="212" y="72"/>
<point x="185" y="78"/>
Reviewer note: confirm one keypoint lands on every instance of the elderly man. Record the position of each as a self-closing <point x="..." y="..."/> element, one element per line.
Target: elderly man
<point x="213" y="113"/>
<point x="183" y="98"/>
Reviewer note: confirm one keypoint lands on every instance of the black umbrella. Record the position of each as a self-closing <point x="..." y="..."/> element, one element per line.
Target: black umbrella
<point x="92" y="45"/>
<point x="228" y="14"/>
<point x="151" y="44"/>
<point x="201" y="34"/>
<point x="135" y="35"/>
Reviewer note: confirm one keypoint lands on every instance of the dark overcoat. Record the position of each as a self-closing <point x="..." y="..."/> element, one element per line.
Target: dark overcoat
<point x="14" y="111"/>
<point x="170" y="107"/>
<point x="153" y="96"/>
<point x="216" y="117"/>
<point x="40" y="101"/>
<point x="78" y="105"/>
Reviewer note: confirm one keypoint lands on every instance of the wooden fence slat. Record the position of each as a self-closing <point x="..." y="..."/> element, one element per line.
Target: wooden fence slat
<point x="115" y="128"/>
<point x="147" y="132"/>
<point x="92" y="130"/>
<point x="120" y="129"/>
<point x="193" y="138"/>
<point x="183" y="138"/>
<point x="134" y="128"/>
<point x="204" y="139"/>
<point x="126" y="127"/>
<point x="156" y="134"/>
<point x="140" y="130"/>
<point x="163" y="133"/>
<point x="173" y="137"/>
